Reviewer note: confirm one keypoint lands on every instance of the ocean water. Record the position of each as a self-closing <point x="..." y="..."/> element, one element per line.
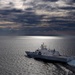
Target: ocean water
<point x="14" y="62"/>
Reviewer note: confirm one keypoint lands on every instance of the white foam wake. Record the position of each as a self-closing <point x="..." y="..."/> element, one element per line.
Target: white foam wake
<point x="72" y="63"/>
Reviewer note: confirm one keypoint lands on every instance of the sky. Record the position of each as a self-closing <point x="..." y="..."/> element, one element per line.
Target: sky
<point x="37" y="17"/>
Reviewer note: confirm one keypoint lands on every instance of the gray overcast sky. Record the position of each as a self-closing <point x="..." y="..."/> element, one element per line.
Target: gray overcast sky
<point x="37" y="17"/>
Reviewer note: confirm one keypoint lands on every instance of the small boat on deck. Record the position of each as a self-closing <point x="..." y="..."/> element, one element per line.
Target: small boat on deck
<point x="45" y="54"/>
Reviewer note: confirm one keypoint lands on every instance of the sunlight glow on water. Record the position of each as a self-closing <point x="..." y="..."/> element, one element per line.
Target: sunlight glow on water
<point x="40" y="37"/>
<point x="45" y="37"/>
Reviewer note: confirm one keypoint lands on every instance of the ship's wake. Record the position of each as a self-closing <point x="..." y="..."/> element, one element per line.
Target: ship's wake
<point x="72" y="63"/>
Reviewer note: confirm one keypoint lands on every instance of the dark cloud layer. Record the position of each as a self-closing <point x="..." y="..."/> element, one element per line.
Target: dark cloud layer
<point x="51" y="0"/>
<point x="69" y="1"/>
<point x="39" y="19"/>
<point x="67" y="8"/>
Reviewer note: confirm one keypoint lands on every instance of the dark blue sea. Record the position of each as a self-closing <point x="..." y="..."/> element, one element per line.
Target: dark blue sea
<point x="14" y="62"/>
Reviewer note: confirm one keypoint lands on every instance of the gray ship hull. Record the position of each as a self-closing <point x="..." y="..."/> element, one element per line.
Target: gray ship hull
<point x="47" y="58"/>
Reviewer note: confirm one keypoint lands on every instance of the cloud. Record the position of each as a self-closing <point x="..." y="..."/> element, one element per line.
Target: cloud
<point x="51" y="0"/>
<point x="13" y="3"/>
<point x="36" y="4"/>
<point x="37" y="17"/>
<point x="69" y="1"/>
<point x="67" y="8"/>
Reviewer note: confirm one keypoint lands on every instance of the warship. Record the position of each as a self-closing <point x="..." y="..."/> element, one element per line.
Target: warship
<point x="49" y="55"/>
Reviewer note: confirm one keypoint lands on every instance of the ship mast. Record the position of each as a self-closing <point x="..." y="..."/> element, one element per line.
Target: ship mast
<point x="43" y="47"/>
